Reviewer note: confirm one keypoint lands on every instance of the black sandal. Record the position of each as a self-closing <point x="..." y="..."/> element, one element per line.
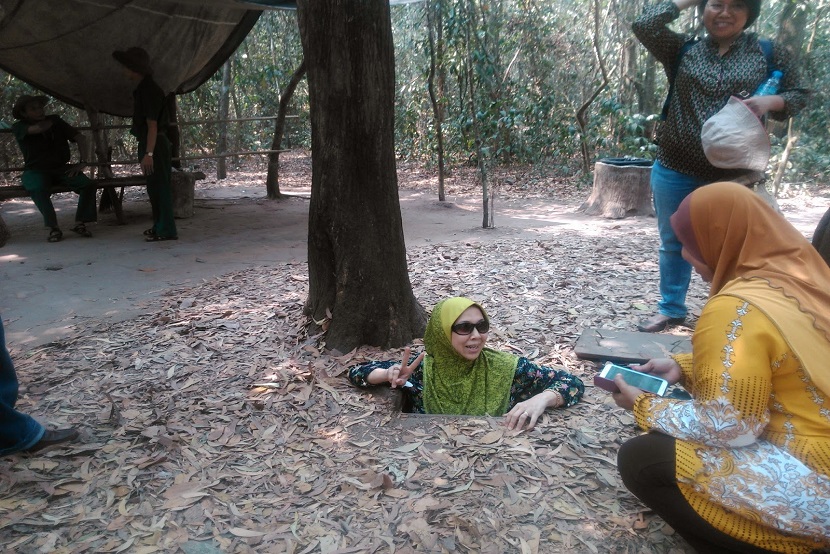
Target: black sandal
<point x="55" y="235"/>
<point x="81" y="229"/>
<point x="150" y="232"/>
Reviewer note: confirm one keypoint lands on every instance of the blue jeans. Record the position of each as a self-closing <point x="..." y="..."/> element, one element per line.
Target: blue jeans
<point x="669" y="188"/>
<point x="17" y="431"/>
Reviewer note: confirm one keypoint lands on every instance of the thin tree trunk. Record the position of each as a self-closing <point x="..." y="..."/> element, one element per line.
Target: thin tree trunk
<point x="481" y="163"/>
<point x="224" y="101"/>
<point x="174" y="133"/>
<point x="99" y="142"/>
<point x="436" y="57"/>
<point x="272" y="180"/>
<point x="238" y="130"/>
<point x="791" y="34"/>
<point x="103" y="154"/>
<point x="581" y="117"/>
<point x="792" y="139"/>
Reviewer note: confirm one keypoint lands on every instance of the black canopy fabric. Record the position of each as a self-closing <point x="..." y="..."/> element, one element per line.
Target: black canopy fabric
<point x="64" y="47"/>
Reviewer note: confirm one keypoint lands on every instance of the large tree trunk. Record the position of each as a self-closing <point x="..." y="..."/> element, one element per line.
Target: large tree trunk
<point x="272" y="180"/>
<point x="359" y="289"/>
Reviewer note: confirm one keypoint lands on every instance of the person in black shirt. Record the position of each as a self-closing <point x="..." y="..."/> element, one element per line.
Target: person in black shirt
<point x="44" y="141"/>
<point x="150" y="122"/>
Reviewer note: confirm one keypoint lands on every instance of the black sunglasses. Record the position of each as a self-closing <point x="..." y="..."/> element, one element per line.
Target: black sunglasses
<point x="466" y="328"/>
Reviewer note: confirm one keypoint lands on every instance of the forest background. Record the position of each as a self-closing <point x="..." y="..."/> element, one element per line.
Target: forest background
<point x="553" y="85"/>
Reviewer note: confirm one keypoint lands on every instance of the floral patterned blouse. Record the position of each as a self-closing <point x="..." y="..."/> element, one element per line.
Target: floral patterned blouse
<point x="753" y="448"/>
<point x="530" y="380"/>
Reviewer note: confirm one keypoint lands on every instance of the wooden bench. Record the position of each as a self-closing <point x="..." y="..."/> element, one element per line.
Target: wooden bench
<point x="108" y="185"/>
<point x="182" y="183"/>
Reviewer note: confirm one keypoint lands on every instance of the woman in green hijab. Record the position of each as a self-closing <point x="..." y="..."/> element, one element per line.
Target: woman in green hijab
<point x="458" y="375"/>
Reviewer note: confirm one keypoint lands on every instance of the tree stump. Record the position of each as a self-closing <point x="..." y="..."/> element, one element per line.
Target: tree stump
<point x="183" y="184"/>
<point x="621" y="189"/>
<point x="4" y="232"/>
<point x="821" y="238"/>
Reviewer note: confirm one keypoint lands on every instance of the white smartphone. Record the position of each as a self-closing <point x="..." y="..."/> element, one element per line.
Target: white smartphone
<point x="643" y="381"/>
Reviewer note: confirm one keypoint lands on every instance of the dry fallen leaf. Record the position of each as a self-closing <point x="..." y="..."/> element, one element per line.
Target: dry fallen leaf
<point x="215" y="421"/>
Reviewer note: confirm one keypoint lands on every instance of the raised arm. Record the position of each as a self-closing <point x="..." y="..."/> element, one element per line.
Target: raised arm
<point x="395" y="373"/>
<point x="652" y="30"/>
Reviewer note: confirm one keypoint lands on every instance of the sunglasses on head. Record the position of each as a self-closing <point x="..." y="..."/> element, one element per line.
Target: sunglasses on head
<point x="466" y="327"/>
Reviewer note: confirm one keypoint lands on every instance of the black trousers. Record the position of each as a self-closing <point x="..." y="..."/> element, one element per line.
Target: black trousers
<point x="647" y="467"/>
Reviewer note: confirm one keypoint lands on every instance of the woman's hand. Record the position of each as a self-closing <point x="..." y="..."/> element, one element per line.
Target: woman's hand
<point x="147" y="164"/>
<point x="627" y="395"/>
<point x="666" y="368"/>
<point x="525" y="414"/>
<point x="761" y="105"/>
<point x="398" y="374"/>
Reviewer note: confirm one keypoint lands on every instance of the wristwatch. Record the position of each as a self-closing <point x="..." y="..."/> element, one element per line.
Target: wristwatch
<point x="148" y="154"/>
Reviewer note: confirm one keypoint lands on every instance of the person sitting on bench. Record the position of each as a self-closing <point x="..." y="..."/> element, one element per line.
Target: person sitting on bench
<point x="44" y="141"/>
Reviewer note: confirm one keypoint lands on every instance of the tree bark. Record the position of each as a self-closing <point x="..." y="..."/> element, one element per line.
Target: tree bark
<point x="272" y="180"/>
<point x="619" y="190"/>
<point x="222" y="139"/>
<point x="99" y="144"/>
<point x="791" y="33"/>
<point x="103" y="154"/>
<point x="4" y="232"/>
<point x="359" y="288"/>
<point x="174" y="133"/>
<point x="581" y="113"/>
<point x="435" y="24"/>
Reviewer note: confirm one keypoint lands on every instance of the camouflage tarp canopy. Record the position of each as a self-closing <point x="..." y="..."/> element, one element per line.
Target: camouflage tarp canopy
<point x="64" y="48"/>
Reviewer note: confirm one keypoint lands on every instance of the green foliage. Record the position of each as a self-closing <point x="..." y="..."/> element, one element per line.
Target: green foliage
<point x="516" y="74"/>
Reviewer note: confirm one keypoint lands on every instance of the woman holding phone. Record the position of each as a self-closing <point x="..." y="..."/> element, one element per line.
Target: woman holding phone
<point x="458" y="375"/>
<point x="744" y="466"/>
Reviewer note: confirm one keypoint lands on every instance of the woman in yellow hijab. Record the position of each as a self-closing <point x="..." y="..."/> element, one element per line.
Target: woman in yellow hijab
<point x="744" y="466"/>
<point x="459" y="375"/>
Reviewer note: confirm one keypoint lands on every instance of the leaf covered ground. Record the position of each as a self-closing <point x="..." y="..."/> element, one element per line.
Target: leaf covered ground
<point x="218" y="425"/>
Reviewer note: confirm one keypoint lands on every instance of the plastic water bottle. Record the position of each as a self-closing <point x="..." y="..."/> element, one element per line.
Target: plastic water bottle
<point x="770" y="86"/>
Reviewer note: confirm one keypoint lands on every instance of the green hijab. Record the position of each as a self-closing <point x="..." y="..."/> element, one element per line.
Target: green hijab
<point x="455" y="385"/>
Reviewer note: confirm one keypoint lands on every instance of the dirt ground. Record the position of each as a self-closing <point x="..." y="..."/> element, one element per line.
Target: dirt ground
<point x="48" y="289"/>
<point x="211" y="421"/>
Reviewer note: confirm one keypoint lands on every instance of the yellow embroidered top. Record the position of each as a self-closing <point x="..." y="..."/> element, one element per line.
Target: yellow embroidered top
<point x="753" y="455"/>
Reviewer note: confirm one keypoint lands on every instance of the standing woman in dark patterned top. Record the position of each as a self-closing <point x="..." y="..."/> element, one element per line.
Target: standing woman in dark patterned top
<point x="458" y="375"/>
<point x="727" y="61"/>
<point x="150" y="121"/>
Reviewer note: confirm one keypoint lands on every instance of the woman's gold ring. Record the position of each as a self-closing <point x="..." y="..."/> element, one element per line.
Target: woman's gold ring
<point x="527" y="414"/>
